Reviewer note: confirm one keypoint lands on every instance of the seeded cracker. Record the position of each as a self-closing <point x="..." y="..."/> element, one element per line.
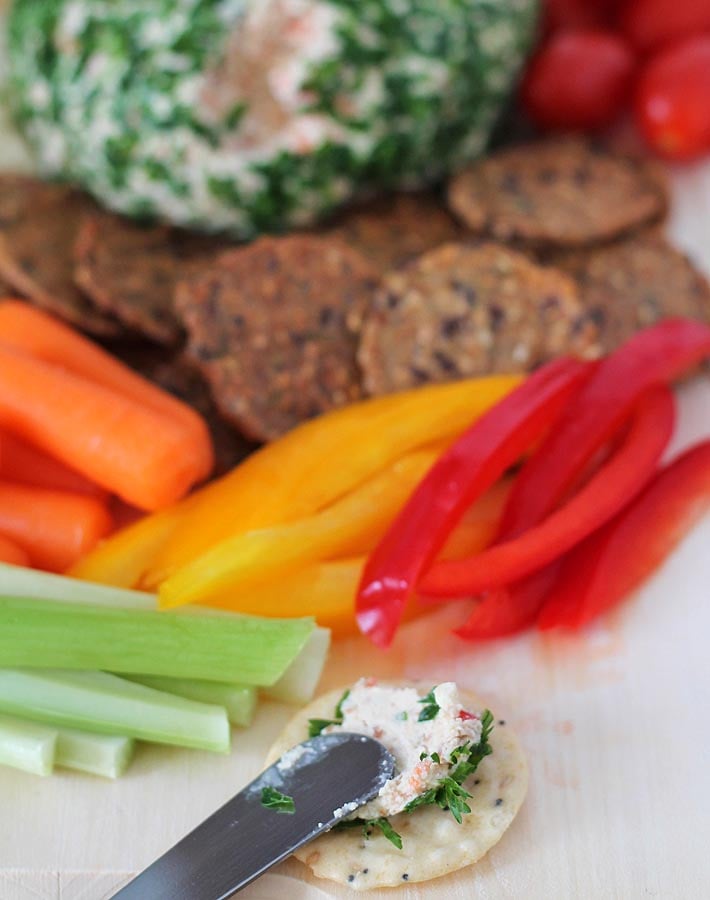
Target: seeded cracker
<point x="272" y="327"/>
<point x="633" y="284"/>
<point x="392" y="231"/>
<point x="433" y="843"/>
<point x="460" y="311"/>
<point x="562" y="192"/>
<point x="130" y="271"/>
<point x="38" y="224"/>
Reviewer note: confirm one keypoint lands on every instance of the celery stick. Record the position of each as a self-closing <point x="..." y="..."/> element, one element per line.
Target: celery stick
<point x="238" y="699"/>
<point x="299" y="682"/>
<point x="235" y="648"/>
<point x="16" y="581"/>
<point x="99" y="754"/>
<point x="96" y="701"/>
<point x="27" y="746"/>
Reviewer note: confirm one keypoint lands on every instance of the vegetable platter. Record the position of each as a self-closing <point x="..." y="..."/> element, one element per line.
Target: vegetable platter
<point x="614" y="722"/>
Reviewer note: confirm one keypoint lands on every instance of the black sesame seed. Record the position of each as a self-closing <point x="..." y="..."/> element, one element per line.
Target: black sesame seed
<point x="477" y="781"/>
<point x="501" y="721"/>
<point x="405" y="876"/>
<point x="365" y="871"/>
<point x="351" y="878"/>
<point x="499" y="801"/>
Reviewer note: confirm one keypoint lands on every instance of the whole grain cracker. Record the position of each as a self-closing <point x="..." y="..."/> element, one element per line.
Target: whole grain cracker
<point x="632" y="284"/>
<point x="391" y="231"/>
<point x="460" y="311"/>
<point x="433" y="843"/>
<point x="38" y="225"/>
<point x="562" y="192"/>
<point x="272" y="327"/>
<point x="130" y="270"/>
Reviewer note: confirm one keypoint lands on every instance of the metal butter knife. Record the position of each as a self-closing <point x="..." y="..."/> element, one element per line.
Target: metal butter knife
<point x="328" y="776"/>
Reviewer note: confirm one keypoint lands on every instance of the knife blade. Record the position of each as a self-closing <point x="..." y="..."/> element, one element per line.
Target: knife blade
<point x="328" y="777"/>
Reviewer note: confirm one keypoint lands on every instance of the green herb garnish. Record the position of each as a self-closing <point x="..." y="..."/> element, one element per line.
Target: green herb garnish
<point x="449" y="793"/>
<point x="316" y="726"/>
<point x="368" y="825"/>
<point x="274" y="799"/>
<point x="431" y="707"/>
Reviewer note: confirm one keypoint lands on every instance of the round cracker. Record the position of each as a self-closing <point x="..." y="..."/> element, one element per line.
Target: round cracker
<point x="433" y="842"/>
<point x="459" y="311"/>
<point x="559" y="192"/>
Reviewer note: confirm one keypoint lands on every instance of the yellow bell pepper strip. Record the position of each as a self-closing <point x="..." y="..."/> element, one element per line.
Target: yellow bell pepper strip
<point x="348" y="527"/>
<point x="122" y="559"/>
<point x="326" y="590"/>
<point x="323" y="459"/>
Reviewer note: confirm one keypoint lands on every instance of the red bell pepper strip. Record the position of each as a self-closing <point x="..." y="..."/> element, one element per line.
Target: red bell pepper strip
<point x="464" y="472"/>
<point x="509" y="609"/>
<point x="609" y="491"/>
<point x="656" y="355"/>
<point x="602" y="571"/>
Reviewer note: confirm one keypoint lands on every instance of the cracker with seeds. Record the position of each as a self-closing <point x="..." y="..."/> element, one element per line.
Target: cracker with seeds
<point x="433" y="842"/>
<point x="130" y="271"/>
<point x="460" y="311"/>
<point x="632" y="284"/>
<point x="559" y="192"/>
<point x="273" y="329"/>
<point x="391" y="231"/>
<point x="38" y="225"/>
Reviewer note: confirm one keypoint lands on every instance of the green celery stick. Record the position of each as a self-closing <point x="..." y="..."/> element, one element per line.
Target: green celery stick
<point x="106" y="704"/>
<point x="235" y="648"/>
<point x="17" y="581"/>
<point x="99" y="754"/>
<point x="299" y="682"/>
<point x="27" y="746"/>
<point x="238" y="699"/>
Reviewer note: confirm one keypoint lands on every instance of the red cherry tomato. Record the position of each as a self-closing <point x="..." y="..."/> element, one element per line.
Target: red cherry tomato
<point x="578" y="13"/>
<point x="672" y="104"/>
<point x="578" y="80"/>
<point x="648" y="24"/>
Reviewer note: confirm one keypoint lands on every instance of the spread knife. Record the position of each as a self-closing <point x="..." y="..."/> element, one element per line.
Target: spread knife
<point x="328" y="777"/>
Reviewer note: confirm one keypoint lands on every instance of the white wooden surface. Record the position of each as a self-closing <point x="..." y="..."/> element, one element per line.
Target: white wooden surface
<point x="616" y="724"/>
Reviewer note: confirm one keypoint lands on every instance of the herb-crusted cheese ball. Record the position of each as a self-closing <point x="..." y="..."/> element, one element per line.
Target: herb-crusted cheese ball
<point x="258" y="115"/>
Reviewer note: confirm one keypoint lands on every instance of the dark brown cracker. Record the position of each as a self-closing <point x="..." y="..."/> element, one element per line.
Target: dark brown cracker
<point x="174" y="373"/>
<point x="461" y="311"/>
<point x="38" y="224"/>
<point x="632" y="284"/>
<point x="273" y="328"/>
<point x="561" y="192"/>
<point x="130" y="271"/>
<point x="391" y="231"/>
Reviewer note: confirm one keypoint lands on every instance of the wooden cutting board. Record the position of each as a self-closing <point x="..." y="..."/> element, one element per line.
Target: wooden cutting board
<point x="616" y="725"/>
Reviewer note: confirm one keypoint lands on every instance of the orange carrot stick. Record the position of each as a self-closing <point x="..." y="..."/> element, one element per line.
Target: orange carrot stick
<point x="11" y="553"/>
<point x="24" y="464"/>
<point x="146" y="458"/>
<point x="54" y="527"/>
<point x="39" y="334"/>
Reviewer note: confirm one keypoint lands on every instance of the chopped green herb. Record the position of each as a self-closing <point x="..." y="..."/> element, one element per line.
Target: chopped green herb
<point x="449" y="793"/>
<point x="436" y="758"/>
<point x="316" y="726"/>
<point x="368" y="825"/>
<point x="423" y="755"/>
<point x="402" y="716"/>
<point x="431" y="707"/>
<point x="273" y="799"/>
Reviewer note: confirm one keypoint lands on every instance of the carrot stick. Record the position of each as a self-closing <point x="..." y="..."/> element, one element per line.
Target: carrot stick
<point x="24" y="464"/>
<point x="11" y="553"/>
<point x="146" y="458"/>
<point x="39" y="334"/>
<point x="54" y="527"/>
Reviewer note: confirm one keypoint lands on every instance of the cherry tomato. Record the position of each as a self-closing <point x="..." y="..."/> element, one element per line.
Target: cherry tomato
<point x="672" y="103"/>
<point x="578" y="13"/>
<point x="648" y="24"/>
<point x="579" y="79"/>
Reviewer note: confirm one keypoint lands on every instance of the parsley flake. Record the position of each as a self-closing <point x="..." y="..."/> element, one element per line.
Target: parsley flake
<point x="431" y="707"/>
<point x="272" y="798"/>
<point x="316" y="726"/>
